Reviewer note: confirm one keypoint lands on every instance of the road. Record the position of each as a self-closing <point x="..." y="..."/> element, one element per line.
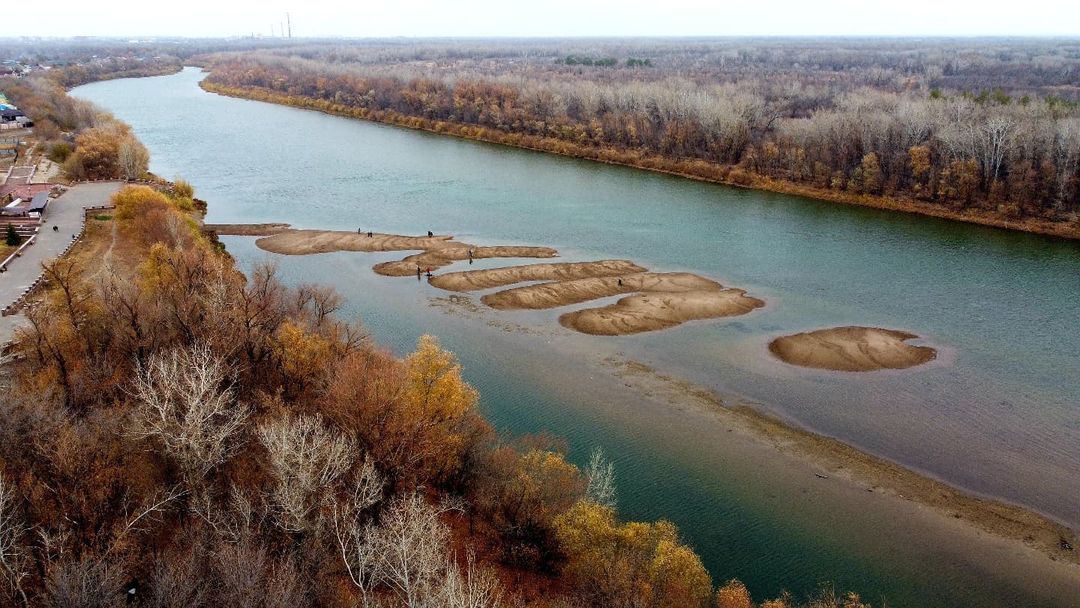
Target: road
<point x="66" y="213"/>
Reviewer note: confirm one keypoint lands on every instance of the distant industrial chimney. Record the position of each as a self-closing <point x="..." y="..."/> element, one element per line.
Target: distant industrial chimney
<point x="288" y="22"/>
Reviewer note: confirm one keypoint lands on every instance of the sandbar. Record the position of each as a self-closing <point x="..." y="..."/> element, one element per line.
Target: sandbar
<point x="655" y="311"/>
<point x="246" y="229"/>
<point x="473" y="280"/>
<point x="456" y="252"/>
<point x="435" y="251"/>
<point x="851" y="349"/>
<point x="562" y="293"/>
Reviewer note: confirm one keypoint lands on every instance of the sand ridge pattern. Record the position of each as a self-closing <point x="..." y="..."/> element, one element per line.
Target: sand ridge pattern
<point x="658" y="300"/>
<point x="853" y="349"/>
<point x="661" y="299"/>
<point x="575" y="291"/>
<point x="654" y="300"/>
<point x="474" y="280"/>
<point x="435" y="251"/>
<point x="660" y="310"/>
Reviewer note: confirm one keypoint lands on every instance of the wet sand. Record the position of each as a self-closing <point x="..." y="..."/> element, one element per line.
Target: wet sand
<point x="656" y="311"/>
<point x="436" y="258"/>
<point x="246" y="229"/>
<point x="435" y="251"/>
<point x="563" y="293"/>
<point x="1028" y="542"/>
<point x="851" y="349"/>
<point x="660" y="300"/>
<point x="474" y="280"/>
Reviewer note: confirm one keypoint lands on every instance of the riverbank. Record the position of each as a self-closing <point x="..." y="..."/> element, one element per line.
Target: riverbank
<point x="691" y="169"/>
<point x="580" y="282"/>
<point x="1029" y="545"/>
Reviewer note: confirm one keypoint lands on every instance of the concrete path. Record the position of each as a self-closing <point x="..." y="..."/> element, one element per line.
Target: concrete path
<point x="66" y="213"/>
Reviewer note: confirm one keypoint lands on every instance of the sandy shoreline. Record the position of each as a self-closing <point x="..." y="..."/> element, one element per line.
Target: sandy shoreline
<point x="875" y="474"/>
<point x="851" y="349"/>
<point x="245" y="229"/>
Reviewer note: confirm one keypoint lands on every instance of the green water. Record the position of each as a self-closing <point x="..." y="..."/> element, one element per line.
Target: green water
<point x="999" y="413"/>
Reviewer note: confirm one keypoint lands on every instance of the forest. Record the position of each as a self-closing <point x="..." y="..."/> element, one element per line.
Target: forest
<point x="178" y="434"/>
<point x="984" y="130"/>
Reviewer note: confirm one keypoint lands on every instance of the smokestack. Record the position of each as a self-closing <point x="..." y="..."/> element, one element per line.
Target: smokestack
<point x="288" y="22"/>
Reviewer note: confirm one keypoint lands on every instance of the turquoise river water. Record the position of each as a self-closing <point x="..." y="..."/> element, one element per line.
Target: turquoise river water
<point x="998" y="413"/>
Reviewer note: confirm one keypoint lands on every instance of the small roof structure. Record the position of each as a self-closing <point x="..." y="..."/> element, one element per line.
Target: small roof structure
<point x="39" y="202"/>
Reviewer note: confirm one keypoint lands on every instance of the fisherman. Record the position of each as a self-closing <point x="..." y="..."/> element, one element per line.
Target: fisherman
<point x="359" y="231"/>
<point x="417" y="272"/>
<point x="430" y="233"/>
<point x="429" y="272"/>
<point x="470" y="255"/>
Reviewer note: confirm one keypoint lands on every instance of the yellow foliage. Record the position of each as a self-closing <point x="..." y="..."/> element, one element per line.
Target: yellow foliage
<point x="183" y="189"/>
<point x="301" y="352"/>
<point x="635" y="563"/>
<point x="131" y="200"/>
<point x="434" y="388"/>
<point x="156" y="272"/>
<point x="733" y="595"/>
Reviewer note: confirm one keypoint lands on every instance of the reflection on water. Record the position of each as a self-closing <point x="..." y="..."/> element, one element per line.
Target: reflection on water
<point x="999" y="414"/>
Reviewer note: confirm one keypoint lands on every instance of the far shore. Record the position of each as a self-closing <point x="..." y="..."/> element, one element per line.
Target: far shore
<point x="657" y="164"/>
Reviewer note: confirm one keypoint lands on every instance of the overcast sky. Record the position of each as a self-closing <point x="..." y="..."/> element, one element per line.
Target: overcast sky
<point x="420" y="18"/>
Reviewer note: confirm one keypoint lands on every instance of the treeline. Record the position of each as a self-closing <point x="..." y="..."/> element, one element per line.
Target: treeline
<point x="89" y="142"/>
<point x="1005" y="154"/>
<point x="177" y="435"/>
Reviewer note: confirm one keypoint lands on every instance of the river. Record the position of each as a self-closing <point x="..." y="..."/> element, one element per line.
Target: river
<point x="997" y="414"/>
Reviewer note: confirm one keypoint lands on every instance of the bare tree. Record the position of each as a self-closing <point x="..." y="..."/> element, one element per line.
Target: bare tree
<point x="13" y="558"/>
<point x="90" y="582"/>
<point x="307" y="459"/>
<point x="177" y="582"/>
<point x="406" y="551"/>
<point x="186" y="404"/>
<point x="357" y="554"/>
<point x="250" y="578"/>
<point x="471" y="588"/>
<point x="601" y="480"/>
<point x="133" y="158"/>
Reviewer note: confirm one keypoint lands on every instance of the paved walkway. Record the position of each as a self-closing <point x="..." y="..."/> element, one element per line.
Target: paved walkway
<point x="66" y="213"/>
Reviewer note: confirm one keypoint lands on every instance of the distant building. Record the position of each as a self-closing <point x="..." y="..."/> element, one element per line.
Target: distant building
<point x="15" y="118"/>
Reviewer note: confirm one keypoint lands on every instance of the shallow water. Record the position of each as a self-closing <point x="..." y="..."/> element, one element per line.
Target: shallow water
<point x="999" y="413"/>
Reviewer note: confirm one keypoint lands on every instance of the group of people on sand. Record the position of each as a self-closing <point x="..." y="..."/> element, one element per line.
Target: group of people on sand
<point x="419" y="271"/>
